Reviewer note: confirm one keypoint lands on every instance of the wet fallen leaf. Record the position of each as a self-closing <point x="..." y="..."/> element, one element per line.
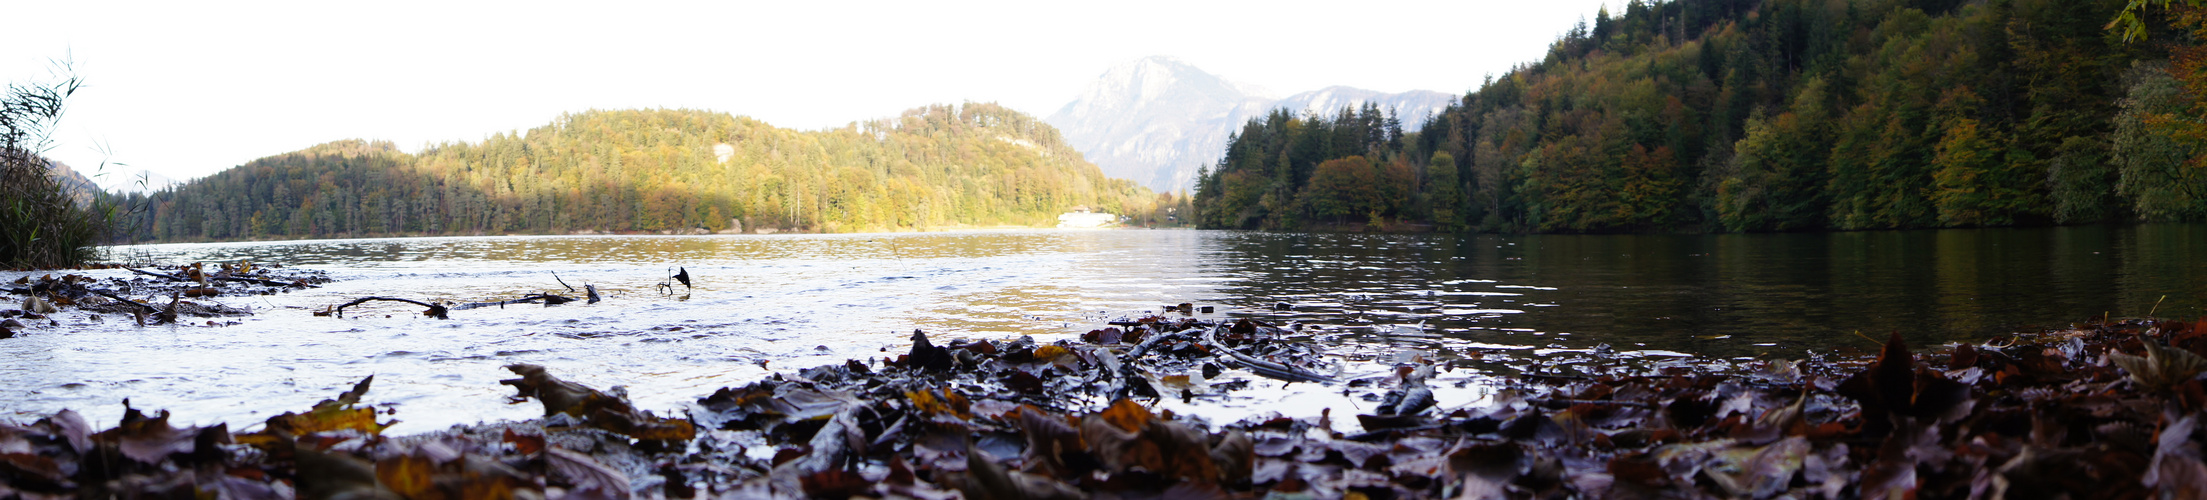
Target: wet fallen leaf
<point x="2161" y="367"/>
<point x="2176" y="468"/>
<point x="1758" y="472"/>
<point x="329" y="476"/>
<point x="1127" y="416"/>
<point x="558" y="396"/>
<point x="147" y="439"/>
<point x="587" y="474"/>
<point x="409" y="476"/>
<point x="988" y="480"/>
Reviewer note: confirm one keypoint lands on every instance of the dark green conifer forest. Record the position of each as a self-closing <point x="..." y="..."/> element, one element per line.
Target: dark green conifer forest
<point x="658" y="171"/>
<point x="1768" y="115"/>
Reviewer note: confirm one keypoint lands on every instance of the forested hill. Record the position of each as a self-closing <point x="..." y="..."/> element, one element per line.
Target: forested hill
<point x="1762" y="115"/>
<point x="658" y="170"/>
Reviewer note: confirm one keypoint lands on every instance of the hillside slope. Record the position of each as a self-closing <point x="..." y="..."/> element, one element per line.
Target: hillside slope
<point x="1771" y="115"/>
<point x="658" y="171"/>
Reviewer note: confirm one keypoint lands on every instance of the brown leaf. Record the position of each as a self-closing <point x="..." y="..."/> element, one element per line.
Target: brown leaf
<point x="1116" y="448"/>
<point x="587" y="474"/>
<point x="1104" y="336"/>
<point x="328" y="475"/>
<point x="947" y="403"/>
<point x="1025" y="383"/>
<point x="1639" y="469"/>
<point x="558" y="396"/>
<point x="836" y="483"/>
<point x="1758" y="472"/>
<point x="1494" y="461"/>
<point x="1936" y="397"/>
<point x="74" y="429"/>
<point x="925" y="355"/>
<point x="988" y="480"/>
<point x="1965" y="355"/>
<point x="2161" y="367"/>
<point x="33" y="472"/>
<point x="643" y="425"/>
<point x="524" y="445"/>
<point x="2176" y="468"/>
<point x="1048" y="353"/>
<point x="148" y="440"/>
<point x="1235" y="456"/>
<point x="1889" y="386"/>
<point x="1049" y="442"/>
<point x="1186" y="452"/>
<point x="352" y="397"/>
<point x="1127" y="415"/>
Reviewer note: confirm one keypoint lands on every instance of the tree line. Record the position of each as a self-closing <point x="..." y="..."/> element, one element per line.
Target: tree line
<point x="1769" y="115"/>
<point x="658" y="171"/>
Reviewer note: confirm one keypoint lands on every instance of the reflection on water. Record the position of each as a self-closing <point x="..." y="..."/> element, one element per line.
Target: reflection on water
<point x="790" y="301"/>
<point x="1728" y="295"/>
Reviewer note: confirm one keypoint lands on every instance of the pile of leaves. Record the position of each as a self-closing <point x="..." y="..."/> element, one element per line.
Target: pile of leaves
<point x="2109" y="410"/>
<point x="334" y="450"/>
<point x="2072" y="412"/>
<point x="162" y="295"/>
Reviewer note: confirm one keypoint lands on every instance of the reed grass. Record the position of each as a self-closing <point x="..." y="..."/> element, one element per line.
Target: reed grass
<point x="43" y="225"/>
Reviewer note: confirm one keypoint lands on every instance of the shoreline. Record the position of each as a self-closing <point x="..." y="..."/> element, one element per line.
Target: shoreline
<point x="1095" y="418"/>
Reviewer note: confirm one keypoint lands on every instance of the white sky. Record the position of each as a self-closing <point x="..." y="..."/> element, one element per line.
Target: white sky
<point x="185" y="89"/>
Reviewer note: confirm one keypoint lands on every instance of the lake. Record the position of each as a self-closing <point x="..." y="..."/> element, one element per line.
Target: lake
<point x="780" y="302"/>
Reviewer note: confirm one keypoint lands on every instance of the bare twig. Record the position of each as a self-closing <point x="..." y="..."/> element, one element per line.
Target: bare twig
<point x="1266" y="368"/>
<point x="170" y="277"/>
<point x="545" y="298"/>
<point x="435" y="311"/>
<point x="262" y="282"/>
<point x="149" y="309"/>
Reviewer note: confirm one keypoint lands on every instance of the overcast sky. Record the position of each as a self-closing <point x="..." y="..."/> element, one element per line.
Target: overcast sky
<point x="185" y="89"/>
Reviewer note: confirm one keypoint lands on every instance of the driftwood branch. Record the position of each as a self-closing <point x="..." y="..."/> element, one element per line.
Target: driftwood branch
<point x="149" y="309"/>
<point x="293" y="284"/>
<point x="172" y="277"/>
<point x="545" y="298"/>
<point x="435" y="311"/>
<point x="1265" y="368"/>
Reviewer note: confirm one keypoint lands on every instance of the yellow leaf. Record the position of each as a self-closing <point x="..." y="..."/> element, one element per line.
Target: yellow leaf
<point x="330" y="419"/>
<point x="409" y="476"/>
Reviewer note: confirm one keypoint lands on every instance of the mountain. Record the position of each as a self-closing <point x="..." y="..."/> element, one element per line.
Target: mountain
<point x="1411" y="107"/>
<point x="78" y="186"/>
<point x="1155" y="120"/>
<point x="1158" y="119"/>
<point x="665" y="171"/>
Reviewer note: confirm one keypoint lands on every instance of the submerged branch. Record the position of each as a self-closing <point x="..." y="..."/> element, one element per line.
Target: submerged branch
<point x="435" y="311"/>
<point x="1262" y="367"/>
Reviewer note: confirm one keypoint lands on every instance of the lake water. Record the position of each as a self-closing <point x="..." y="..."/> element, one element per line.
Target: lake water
<point x="790" y="301"/>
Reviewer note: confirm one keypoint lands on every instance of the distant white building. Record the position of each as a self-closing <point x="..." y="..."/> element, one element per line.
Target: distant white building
<point x="1081" y="218"/>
